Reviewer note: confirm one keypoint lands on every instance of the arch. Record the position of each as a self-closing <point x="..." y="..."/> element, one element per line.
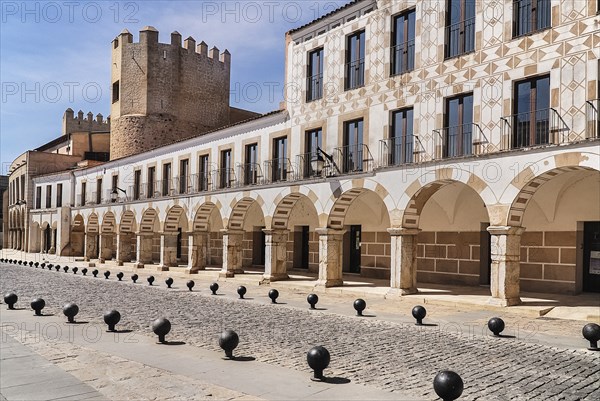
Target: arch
<point x="172" y="219"/>
<point x="417" y="202"/>
<point x="284" y="208"/>
<point x="108" y="223"/>
<point x="202" y="217"/>
<point x="128" y="224"/>
<point x="78" y="224"/>
<point x="239" y="213"/>
<point x="519" y="204"/>
<point x="92" y="223"/>
<point x="149" y="218"/>
<point x="339" y="210"/>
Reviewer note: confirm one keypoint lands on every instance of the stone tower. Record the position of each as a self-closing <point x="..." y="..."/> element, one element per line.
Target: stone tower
<point x="162" y="93"/>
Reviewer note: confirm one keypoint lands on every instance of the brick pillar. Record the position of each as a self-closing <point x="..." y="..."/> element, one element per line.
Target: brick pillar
<point x="123" y="248"/>
<point x="106" y="242"/>
<point x="506" y="265"/>
<point x="143" y="249"/>
<point x="168" y="251"/>
<point x="232" y="253"/>
<point x="275" y="255"/>
<point x="197" y="250"/>
<point x="330" y="257"/>
<point x="403" y="274"/>
<point x="91" y="249"/>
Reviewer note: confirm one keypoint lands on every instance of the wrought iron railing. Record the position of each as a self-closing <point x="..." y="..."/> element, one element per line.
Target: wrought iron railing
<point x="314" y="87"/>
<point x="460" y="37"/>
<point x="593" y="119"/>
<point x="537" y="128"/>
<point x="399" y="151"/>
<point x="355" y="74"/>
<point x="279" y="170"/>
<point x="354" y="158"/>
<point x="249" y="174"/>
<point x="224" y="178"/>
<point x="308" y="167"/>
<point x="459" y="141"/>
<point x="403" y="57"/>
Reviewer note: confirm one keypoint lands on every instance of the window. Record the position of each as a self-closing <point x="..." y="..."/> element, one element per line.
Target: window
<point x="48" y="196"/>
<point x="251" y="164"/>
<point x="226" y="176"/>
<point x="59" y="195"/>
<point x="460" y="27"/>
<point x="151" y="182"/>
<point x="280" y="160"/>
<point x="531" y="122"/>
<point x="23" y="187"/>
<point x="137" y="182"/>
<point x="403" y="43"/>
<point x="314" y="82"/>
<point x="17" y="191"/>
<point x="457" y="137"/>
<point x="401" y="143"/>
<point x="203" y="171"/>
<point x="352" y="152"/>
<point x="115" y="92"/>
<point x="312" y="142"/>
<point x="531" y="16"/>
<point x="355" y="60"/>
<point x="115" y="182"/>
<point x="38" y="197"/>
<point x="99" y="191"/>
<point x="83" y="194"/>
<point x="183" y="175"/>
<point x="166" y="179"/>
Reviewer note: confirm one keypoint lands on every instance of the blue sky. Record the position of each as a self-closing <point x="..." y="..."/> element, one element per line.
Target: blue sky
<point x="55" y="55"/>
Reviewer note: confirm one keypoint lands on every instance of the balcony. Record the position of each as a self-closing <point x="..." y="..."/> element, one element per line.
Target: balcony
<point x="355" y="74"/>
<point x="593" y="119"/>
<point x="532" y="129"/>
<point x="400" y="151"/>
<point x="403" y="57"/>
<point x="80" y="200"/>
<point x="224" y="178"/>
<point x="460" y="38"/>
<point x="354" y="159"/>
<point x="279" y="170"/>
<point x="314" y="87"/>
<point x="459" y="141"/>
<point x="250" y="174"/>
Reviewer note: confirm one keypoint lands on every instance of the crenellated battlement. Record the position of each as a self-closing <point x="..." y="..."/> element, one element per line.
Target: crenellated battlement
<point x="84" y="123"/>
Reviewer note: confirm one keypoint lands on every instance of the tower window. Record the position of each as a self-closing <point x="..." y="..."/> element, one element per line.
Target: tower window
<point x="115" y="92"/>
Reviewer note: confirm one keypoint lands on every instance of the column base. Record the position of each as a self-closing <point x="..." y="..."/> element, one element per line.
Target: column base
<point x="330" y="283"/>
<point x="398" y="292"/>
<point x="162" y="268"/>
<point x="85" y="259"/>
<point x="274" y="277"/>
<point x="101" y="260"/>
<point x="191" y="270"/>
<point x="138" y="265"/>
<point x="504" y="301"/>
<point x="119" y="263"/>
<point x="226" y="274"/>
<point x="91" y="264"/>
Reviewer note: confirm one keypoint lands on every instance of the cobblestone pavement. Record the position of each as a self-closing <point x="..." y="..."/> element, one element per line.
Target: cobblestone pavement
<point x="387" y="355"/>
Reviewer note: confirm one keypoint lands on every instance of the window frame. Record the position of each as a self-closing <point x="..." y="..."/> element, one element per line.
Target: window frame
<point x="310" y="95"/>
<point x="361" y="50"/>
<point x="405" y="15"/>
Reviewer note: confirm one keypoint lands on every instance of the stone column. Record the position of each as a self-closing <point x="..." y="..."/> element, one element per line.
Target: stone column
<point x="106" y="242"/>
<point x="168" y="251"/>
<point x="403" y="274"/>
<point x="123" y="248"/>
<point x="197" y="250"/>
<point x="506" y="268"/>
<point x="330" y="257"/>
<point x="275" y="255"/>
<point x="91" y="250"/>
<point x="143" y="249"/>
<point x="232" y="253"/>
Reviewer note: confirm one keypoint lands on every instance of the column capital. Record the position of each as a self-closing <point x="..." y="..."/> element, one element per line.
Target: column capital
<point x="505" y="230"/>
<point x="271" y="231"/>
<point x="226" y="231"/>
<point x="400" y="231"/>
<point x="144" y="234"/>
<point x="325" y="231"/>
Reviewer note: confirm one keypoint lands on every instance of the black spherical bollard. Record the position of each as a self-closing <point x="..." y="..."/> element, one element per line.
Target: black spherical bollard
<point x="150" y="280"/>
<point x="496" y="325"/>
<point x="84" y="271"/>
<point x="591" y="332"/>
<point x="75" y="270"/>
<point x="37" y="305"/>
<point x="318" y="359"/>
<point x="448" y="385"/>
<point x="111" y="318"/>
<point x="228" y="341"/>
<point x="419" y="314"/>
<point x="11" y="299"/>
<point x="43" y="265"/>
<point x="273" y="294"/>
<point x="190" y="284"/>
<point x="30" y="264"/>
<point x="161" y="327"/>
<point x="120" y="276"/>
<point x="57" y="267"/>
<point x="106" y="274"/>
<point x="95" y="272"/>
<point x="214" y="287"/>
<point x="312" y="300"/>
<point x="241" y="291"/>
<point x="70" y="310"/>
<point x="360" y="305"/>
<point x="36" y="264"/>
<point x="169" y="282"/>
<point x="134" y="278"/>
<point x="66" y="269"/>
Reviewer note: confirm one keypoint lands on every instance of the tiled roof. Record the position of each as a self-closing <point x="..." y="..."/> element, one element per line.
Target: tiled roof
<point x="325" y="16"/>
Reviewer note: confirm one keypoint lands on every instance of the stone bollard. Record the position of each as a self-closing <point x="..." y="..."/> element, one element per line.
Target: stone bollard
<point x="111" y="318"/>
<point x="214" y="287"/>
<point x="120" y="276"/>
<point x="448" y="385"/>
<point x="169" y="282"/>
<point x="161" y="327"/>
<point x="134" y="278"/>
<point x="75" y="270"/>
<point x="11" y="299"/>
<point x="37" y="305"/>
<point x="95" y="272"/>
<point x="273" y="294"/>
<point x="84" y="271"/>
<point x="496" y="326"/>
<point x="150" y="280"/>
<point x="190" y="284"/>
<point x="70" y="310"/>
<point x="318" y="359"/>
<point x="590" y="332"/>
<point x="312" y="300"/>
<point x="241" y="291"/>
<point x="106" y="274"/>
<point x="360" y="305"/>
<point x="419" y="314"/>
<point x="228" y="341"/>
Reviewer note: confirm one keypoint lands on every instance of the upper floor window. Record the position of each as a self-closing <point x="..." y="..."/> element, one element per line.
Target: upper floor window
<point x="83" y="199"/>
<point x="403" y="43"/>
<point x="184" y="166"/>
<point x="280" y="161"/>
<point x="115" y="92"/>
<point x="531" y="16"/>
<point x="203" y="172"/>
<point x="352" y="151"/>
<point x="48" y="196"/>
<point x="151" y="181"/>
<point x="226" y="175"/>
<point x="314" y="81"/>
<point x="309" y="161"/>
<point x="98" y="191"/>
<point x="457" y="135"/>
<point x="59" y="195"/>
<point x="38" y="197"/>
<point x="355" y="60"/>
<point x="401" y="143"/>
<point x="137" y="182"/>
<point x="250" y="167"/>
<point x="166" y="179"/>
<point x="460" y="27"/>
<point x="531" y="121"/>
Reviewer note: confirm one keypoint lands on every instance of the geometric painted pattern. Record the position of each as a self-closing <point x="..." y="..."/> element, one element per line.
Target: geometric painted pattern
<point x="148" y="219"/>
<point x="284" y="208"/>
<point x="172" y="219"/>
<point x="127" y="222"/>
<point x="201" y="222"/>
<point x="238" y="214"/>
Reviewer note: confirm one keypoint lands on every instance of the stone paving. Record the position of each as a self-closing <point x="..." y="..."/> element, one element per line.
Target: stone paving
<point x="386" y="355"/>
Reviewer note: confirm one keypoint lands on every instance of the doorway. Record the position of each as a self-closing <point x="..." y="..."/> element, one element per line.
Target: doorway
<point x="179" y="242"/>
<point x="591" y="257"/>
<point x="354" y="251"/>
<point x="485" y="255"/>
<point x="258" y="245"/>
<point x="301" y="250"/>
